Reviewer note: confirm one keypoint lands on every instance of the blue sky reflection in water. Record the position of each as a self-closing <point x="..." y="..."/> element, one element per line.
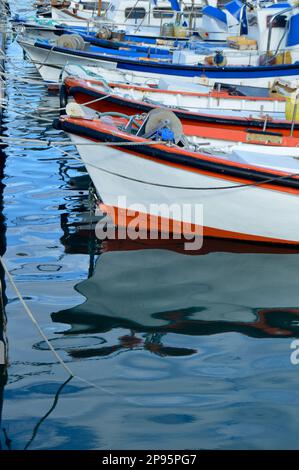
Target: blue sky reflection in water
<point x="186" y="351"/>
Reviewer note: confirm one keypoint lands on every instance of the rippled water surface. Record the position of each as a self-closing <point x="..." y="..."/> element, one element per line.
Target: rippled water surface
<point x="181" y="351"/>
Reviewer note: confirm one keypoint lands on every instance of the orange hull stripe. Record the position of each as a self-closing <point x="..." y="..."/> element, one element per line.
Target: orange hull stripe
<point x="71" y="81"/>
<point x="122" y="217"/>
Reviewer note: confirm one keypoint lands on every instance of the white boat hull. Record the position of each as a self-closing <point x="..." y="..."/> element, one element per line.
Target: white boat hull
<point x="234" y="105"/>
<point x="81" y="20"/>
<point x="246" y="213"/>
<point x="50" y="63"/>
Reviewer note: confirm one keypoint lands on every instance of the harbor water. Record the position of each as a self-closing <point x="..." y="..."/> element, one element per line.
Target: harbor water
<point x="169" y="350"/>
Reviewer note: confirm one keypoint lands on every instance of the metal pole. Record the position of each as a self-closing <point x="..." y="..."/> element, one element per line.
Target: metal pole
<point x="99" y="7"/>
<point x="271" y="23"/>
<point x="294" y="115"/>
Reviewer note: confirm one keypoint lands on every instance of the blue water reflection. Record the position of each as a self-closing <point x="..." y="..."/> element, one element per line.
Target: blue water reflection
<point x="181" y="351"/>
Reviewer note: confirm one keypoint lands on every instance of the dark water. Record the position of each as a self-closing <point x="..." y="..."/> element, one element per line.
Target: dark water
<point x="185" y="351"/>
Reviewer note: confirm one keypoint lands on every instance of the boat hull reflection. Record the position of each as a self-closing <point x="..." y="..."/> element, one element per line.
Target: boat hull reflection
<point x="158" y="291"/>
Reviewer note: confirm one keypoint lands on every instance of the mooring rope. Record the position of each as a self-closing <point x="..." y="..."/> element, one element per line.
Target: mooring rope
<point x="4" y="106"/>
<point x="51" y="143"/>
<point x="32" y="318"/>
<point x="52" y="349"/>
<point x="48" y="109"/>
<point x="26" y="307"/>
<point x="81" y="104"/>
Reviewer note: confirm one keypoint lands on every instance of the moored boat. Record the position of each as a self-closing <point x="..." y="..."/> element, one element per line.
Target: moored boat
<point x="109" y="96"/>
<point x="246" y="201"/>
<point x="274" y="53"/>
<point x="78" y="12"/>
<point x="51" y="59"/>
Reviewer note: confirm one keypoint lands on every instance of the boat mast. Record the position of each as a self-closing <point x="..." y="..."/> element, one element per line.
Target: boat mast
<point x="99" y="7"/>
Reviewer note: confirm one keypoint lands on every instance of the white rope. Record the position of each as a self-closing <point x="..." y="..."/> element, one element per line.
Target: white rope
<point x="28" y="115"/>
<point x="48" y="109"/>
<point x="81" y="104"/>
<point x="52" y="349"/>
<point x="50" y="143"/>
<point x="32" y="318"/>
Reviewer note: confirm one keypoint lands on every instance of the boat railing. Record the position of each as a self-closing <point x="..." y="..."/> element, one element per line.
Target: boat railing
<point x="271" y="25"/>
<point x="152" y="14"/>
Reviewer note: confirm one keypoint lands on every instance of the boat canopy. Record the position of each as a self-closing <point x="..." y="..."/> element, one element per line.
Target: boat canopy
<point x="234" y="8"/>
<point x="238" y="10"/>
<point x="175" y="5"/>
<point x="293" y="36"/>
<point x="215" y="13"/>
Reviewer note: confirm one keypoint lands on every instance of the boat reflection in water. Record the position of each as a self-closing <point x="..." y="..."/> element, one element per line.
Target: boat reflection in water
<point x="3" y="376"/>
<point x="152" y="292"/>
<point x="3" y="300"/>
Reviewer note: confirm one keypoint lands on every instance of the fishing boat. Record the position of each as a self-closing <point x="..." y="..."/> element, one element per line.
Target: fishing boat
<point x="105" y="96"/>
<point x="260" y="134"/>
<point x="260" y="66"/>
<point x="43" y="8"/>
<point x="50" y="60"/>
<point x="172" y="18"/>
<point x="78" y="11"/>
<point x="135" y="16"/>
<point x="244" y="200"/>
<point x="166" y="20"/>
<point x="196" y="84"/>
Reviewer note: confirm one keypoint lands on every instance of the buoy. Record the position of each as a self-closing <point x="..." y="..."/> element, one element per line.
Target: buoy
<point x="74" y="110"/>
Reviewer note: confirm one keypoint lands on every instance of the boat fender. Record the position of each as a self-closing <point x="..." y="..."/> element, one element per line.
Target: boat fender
<point x="74" y="110"/>
<point x="63" y="98"/>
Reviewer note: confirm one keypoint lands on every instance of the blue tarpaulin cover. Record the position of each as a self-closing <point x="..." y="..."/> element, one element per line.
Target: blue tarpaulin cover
<point x="215" y="13"/>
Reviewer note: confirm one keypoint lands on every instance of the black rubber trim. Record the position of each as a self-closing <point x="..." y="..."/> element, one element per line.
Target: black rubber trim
<point x="142" y="106"/>
<point x="177" y="158"/>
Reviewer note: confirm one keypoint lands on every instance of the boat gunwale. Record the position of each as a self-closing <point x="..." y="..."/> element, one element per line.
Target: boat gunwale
<point x="182" y="158"/>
